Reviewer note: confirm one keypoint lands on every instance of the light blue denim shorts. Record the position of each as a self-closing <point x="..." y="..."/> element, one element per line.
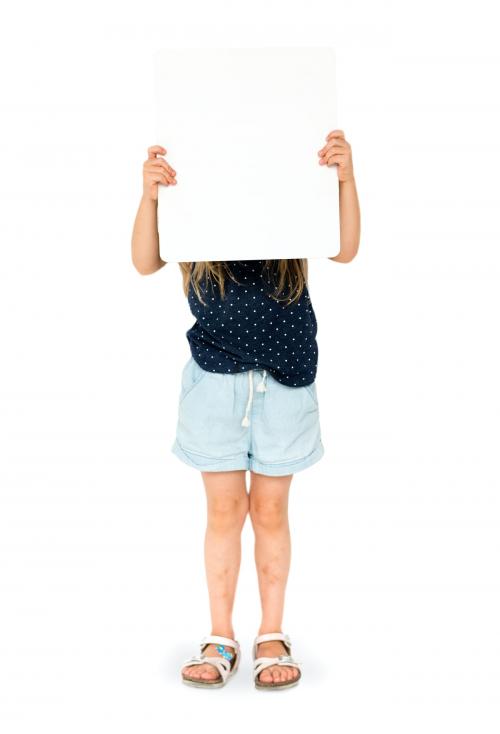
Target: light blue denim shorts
<point x="246" y="420"/>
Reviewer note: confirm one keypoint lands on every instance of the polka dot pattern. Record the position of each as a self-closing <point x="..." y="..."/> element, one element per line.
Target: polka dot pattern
<point x="248" y="329"/>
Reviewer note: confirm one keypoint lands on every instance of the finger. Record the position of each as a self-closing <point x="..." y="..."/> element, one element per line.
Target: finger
<point x="160" y="162"/>
<point x="162" y="178"/>
<point x="150" y="167"/>
<point x="335" y="142"/>
<point x="155" y="150"/>
<point x="335" y="134"/>
<point x="332" y="156"/>
<point x="159" y="178"/>
<point x="334" y="159"/>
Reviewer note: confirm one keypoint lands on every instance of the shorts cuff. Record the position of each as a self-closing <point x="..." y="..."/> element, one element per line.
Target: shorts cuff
<point x="287" y="467"/>
<point x="208" y="463"/>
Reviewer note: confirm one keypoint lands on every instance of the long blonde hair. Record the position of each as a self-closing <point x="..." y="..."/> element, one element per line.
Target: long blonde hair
<point x="291" y="273"/>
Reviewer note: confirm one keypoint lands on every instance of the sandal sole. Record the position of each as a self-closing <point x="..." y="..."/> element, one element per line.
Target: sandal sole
<point x="197" y="684"/>
<point x="271" y="687"/>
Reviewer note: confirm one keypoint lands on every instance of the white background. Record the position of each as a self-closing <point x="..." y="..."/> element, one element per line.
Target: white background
<point x="393" y="598"/>
<point x="242" y="128"/>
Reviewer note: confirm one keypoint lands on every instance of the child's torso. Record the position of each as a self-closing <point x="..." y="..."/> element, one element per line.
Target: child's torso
<point x="247" y="329"/>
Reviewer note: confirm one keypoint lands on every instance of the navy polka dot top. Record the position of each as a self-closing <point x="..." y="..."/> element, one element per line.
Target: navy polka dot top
<point x="247" y="329"/>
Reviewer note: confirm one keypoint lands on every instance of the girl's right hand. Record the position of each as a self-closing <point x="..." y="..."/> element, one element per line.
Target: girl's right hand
<point x="156" y="171"/>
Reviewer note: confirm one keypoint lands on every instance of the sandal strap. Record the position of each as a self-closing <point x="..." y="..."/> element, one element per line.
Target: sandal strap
<point x="222" y="665"/>
<point x="269" y="637"/>
<point x="218" y="640"/>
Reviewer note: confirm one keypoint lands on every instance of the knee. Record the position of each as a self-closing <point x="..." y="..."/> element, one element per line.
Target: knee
<point x="268" y="514"/>
<point x="227" y="513"/>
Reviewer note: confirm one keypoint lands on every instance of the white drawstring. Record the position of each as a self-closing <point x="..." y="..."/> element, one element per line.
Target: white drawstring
<point x="246" y="421"/>
<point x="261" y="387"/>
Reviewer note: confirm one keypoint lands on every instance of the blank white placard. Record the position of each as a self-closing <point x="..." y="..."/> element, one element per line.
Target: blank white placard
<point x="242" y="128"/>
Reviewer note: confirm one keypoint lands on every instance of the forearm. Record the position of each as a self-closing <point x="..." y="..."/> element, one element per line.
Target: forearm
<point x="349" y="220"/>
<point x="145" y="240"/>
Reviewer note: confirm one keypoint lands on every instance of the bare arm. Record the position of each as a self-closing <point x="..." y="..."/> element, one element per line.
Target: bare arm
<point x="145" y="240"/>
<point x="350" y="221"/>
<point x="337" y="152"/>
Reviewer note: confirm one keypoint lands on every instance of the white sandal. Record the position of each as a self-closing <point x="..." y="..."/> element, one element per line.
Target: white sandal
<point x="226" y="663"/>
<point x="259" y="664"/>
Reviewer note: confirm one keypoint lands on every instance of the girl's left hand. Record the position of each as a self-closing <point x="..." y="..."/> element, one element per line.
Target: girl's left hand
<point x="337" y="152"/>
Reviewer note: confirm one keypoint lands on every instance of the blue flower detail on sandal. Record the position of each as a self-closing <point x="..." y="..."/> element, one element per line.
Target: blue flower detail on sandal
<point x="225" y="654"/>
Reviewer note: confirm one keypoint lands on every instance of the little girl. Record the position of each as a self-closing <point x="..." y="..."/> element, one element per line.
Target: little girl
<point x="254" y="319"/>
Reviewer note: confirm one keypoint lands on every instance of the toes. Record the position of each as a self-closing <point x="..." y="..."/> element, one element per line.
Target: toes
<point x="276" y="675"/>
<point x="205" y="672"/>
<point x="266" y="676"/>
<point x="209" y="672"/>
<point x="190" y="671"/>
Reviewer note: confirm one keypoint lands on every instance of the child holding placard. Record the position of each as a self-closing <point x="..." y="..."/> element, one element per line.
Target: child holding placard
<point x="253" y="318"/>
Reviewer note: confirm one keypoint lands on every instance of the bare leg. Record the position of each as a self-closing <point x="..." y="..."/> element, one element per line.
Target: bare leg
<point x="269" y="516"/>
<point x="227" y="509"/>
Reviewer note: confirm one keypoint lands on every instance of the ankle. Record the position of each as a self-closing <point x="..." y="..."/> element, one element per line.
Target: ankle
<point x="223" y="632"/>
